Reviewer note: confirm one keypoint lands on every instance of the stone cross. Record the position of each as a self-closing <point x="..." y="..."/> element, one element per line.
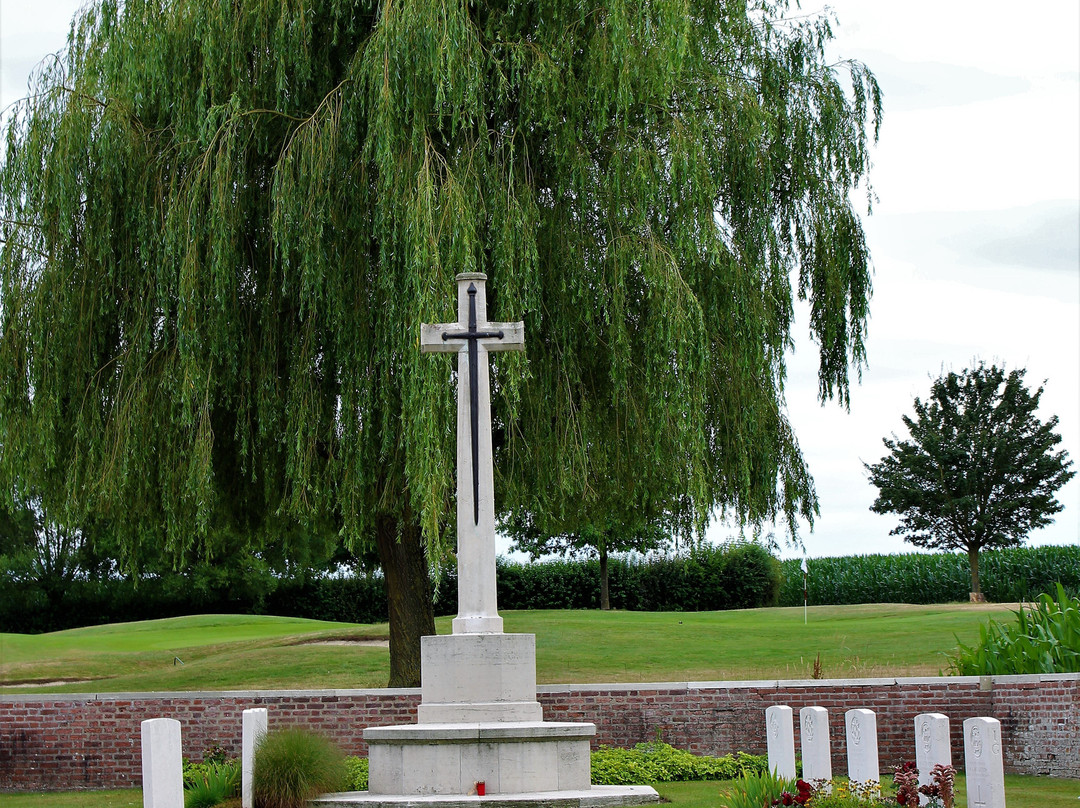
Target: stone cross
<point x="780" y="741"/>
<point x="931" y="747"/>
<point x="162" y="764"/>
<point x="814" y="742"/>
<point x="862" y="748"/>
<point x="983" y="763"/>
<point x="472" y="337"/>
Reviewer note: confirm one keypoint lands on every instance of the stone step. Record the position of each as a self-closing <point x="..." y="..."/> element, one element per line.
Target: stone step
<point x="594" y="797"/>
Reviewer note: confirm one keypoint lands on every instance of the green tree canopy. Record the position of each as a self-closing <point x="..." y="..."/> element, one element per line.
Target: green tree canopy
<point x="979" y="468"/>
<point x="223" y="224"/>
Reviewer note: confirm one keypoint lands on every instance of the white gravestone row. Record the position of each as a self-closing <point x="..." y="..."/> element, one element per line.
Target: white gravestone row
<point x="163" y="764"/>
<point x="983" y="761"/>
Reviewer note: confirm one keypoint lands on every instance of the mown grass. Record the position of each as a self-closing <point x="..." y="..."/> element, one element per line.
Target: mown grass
<point x="234" y="652"/>
<point x="1020" y="792"/>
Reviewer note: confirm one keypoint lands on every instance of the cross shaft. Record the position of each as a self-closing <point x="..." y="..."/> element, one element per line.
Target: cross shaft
<point x="472" y="337"/>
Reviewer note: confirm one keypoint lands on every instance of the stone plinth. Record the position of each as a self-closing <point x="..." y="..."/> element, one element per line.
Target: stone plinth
<point x="450" y="759"/>
<point x="478" y="678"/>
<point x="596" y="797"/>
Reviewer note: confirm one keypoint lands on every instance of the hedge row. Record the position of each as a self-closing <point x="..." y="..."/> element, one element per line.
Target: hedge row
<point x="1005" y="576"/>
<point x="737" y="576"/>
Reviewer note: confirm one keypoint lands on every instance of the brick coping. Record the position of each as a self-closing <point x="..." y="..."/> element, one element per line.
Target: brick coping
<point x="984" y="682"/>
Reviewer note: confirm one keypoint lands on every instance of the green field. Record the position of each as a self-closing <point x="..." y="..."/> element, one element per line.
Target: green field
<point x="233" y="652"/>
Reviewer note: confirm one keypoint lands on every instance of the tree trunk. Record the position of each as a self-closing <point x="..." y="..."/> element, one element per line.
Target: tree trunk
<point x="973" y="561"/>
<point x="605" y="600"/>
<point x="408" y="593"/>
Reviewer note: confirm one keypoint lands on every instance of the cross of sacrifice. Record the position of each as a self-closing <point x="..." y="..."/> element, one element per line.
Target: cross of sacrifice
<point x="472" y="337"/>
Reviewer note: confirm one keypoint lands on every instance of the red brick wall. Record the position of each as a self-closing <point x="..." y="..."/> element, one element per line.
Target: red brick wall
<point x="92" y="741"/>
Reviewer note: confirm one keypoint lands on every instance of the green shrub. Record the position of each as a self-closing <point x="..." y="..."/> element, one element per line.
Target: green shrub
<point x="357" y="769"/>
<point x="658" y="762"/>
<point x="293" y="765"/>
<point x="1044" y="639"/>
<point x="211" y="783"/>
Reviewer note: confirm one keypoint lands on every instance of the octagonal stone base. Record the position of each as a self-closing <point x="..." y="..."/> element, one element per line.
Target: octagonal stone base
<point x="595" y="797"/>
<point x="508" y="757"/>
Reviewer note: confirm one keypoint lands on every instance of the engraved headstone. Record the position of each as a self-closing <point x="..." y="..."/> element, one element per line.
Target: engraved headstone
<point x="254" y="727"/>
<point x="780" y="734"/>
<point x="162" y="764"/>
<point x="862" y="749"/>
<point x="983" y="764"/>
<point x="814" y="742"/>
<point x="931" y="747"/>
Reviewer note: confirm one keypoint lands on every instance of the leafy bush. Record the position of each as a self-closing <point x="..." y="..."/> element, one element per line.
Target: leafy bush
<point x="211" y="783"/>
<point x="1014" y="574"/>
<point x="357" y="771"/>
<point x="1044" y="639"/>
<point x="658" y="762"/>
<point x="293" y="765"/>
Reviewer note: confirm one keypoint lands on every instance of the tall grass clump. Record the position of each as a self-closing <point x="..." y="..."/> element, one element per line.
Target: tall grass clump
<point x="293" y="765"/>
<point x="1013" y="574"/>
<point x="1044" y="639"/>
<point x="213" y="784"/>
<point x="757" y="789"/>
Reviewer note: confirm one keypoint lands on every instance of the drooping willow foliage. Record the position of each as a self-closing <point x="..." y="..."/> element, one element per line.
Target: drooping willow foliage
<point x="223" y="223"/>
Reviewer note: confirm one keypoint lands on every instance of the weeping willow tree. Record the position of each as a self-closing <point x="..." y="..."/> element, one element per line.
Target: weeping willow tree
<point x="223" y="223"/>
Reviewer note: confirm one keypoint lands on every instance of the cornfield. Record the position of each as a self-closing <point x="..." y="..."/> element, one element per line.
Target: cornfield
<point x="1013" y="575"/>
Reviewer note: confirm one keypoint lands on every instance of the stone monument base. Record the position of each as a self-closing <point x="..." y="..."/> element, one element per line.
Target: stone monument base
<point x="477" y="678"/>
<point x="450" y="759"/>
<point x="594" y="797"/>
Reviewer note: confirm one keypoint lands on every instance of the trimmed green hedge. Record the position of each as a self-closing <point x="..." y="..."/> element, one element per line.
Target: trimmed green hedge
<point x="1006" y="576"/>
<point x="658" y="762"/>
<point x="731" y="577"/>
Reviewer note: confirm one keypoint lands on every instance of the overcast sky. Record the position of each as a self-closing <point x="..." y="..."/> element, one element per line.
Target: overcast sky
<point x="975" y="237"/>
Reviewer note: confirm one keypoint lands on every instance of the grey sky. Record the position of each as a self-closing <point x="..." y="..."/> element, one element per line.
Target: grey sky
<point x="975" y="236"/>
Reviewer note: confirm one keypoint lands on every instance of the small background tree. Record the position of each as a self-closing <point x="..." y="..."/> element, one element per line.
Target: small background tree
<point x="979" y="469"/>
<point x="596" y="538"/>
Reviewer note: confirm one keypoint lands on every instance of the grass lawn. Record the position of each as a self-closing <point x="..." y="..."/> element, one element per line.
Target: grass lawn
<point x="1020" y="791"/>
<point x="234" y="652"/>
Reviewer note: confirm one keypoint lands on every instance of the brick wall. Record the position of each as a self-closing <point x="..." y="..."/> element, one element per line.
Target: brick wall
<point x="92" y="741"/>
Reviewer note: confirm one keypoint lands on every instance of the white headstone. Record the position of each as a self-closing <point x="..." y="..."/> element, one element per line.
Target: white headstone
<point x="862" y="751"/>
<point x="472" y="337"/>
<point x="931" y="747"/>
<point x="983" y="764"/>
<point x="814" y="742"/>
<point x="254" y="727"/>
<point x="780" y="735"/>
<point x="162" y="764"/>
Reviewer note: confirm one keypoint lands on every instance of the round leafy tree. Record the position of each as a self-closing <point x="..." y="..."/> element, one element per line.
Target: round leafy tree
<point x="222" y="224"/>
<point x="979" y="468"/>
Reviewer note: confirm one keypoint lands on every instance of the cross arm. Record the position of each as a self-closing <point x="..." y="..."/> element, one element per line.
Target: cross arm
<point x="432" y="339"/>
<point x="513" y="337"/>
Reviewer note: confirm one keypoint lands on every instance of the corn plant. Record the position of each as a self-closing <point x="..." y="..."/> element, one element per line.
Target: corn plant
<point x="1044" y="639"/>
